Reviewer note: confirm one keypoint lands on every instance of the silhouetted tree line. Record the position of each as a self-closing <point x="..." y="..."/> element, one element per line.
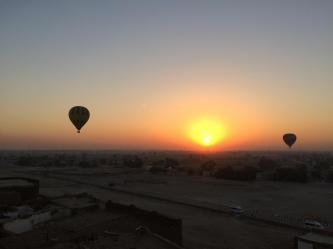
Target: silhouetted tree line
<point x="247" y="173"/>
<point x="208" y="166"/>
<point x="322" y="160"/>
<point x="171" y="163"/>
<point x="322" y="165"/>
<point x="298" y="174"/>
<point x="132" y="161"/>
<point x="55" y="161"/>
<point x="266" y="163"/>
<point x="329" y="177"/>
<point x="87" y="164"/>
<point x="167" y="162"/>
<point x="163" y="165"/>
<point x="157" y="170"/>
<point x="25" y="160"/>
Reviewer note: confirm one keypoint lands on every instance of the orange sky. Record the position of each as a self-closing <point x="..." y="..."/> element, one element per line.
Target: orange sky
<point x="150" y="72"/>
<point x="163" y="123"/>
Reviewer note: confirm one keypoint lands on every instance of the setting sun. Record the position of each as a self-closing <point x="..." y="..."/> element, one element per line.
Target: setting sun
<point x="207" y="132"/>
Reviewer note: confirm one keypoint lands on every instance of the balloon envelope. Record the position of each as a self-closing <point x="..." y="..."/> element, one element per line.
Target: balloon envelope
<point x="79" y="115"/>
<point x="289" y="139"/>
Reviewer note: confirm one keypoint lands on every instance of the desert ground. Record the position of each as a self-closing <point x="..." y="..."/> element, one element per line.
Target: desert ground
<point x="202" y="228"/>
<point x="310" y="200"/>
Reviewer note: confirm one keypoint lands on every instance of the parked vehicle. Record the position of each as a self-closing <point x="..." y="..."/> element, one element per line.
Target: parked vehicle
<point x="313" y="224"/>
<point x="236" y="209"/>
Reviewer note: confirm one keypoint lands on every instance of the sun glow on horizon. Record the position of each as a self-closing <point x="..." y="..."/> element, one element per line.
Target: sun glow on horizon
<point x="207" y="132"/>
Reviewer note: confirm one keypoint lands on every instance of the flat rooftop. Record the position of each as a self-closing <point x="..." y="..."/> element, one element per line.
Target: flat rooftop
<point x="111" y="230"/>
<point x="124" y="241"/>
<point x="6" y="183"/>
<point x="75" y="202"/>
<point x="317" y="238"/>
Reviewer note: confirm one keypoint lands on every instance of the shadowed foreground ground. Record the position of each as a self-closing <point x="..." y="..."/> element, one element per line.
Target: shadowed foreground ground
<point x="201" y="228"/>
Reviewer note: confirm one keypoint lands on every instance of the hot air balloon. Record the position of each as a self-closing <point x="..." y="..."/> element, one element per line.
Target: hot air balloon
<point x="79" y="116"/>
<point x="289" y="139"/>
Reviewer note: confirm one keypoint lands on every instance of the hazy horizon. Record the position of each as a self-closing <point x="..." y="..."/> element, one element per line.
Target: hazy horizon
<point x="150" y="71"/>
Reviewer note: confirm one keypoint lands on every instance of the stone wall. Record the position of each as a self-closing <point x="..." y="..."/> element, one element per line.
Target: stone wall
<point x="168" y="227"/>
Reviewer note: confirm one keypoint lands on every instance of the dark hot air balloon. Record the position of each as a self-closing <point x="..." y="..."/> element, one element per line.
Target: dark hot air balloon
<point x="79" y="115"/>
<point x="289" y="139"/>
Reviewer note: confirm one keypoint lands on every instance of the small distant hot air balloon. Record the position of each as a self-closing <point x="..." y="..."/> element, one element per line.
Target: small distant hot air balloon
<point x="289" y="139"/>
<point x="79" y="115"/>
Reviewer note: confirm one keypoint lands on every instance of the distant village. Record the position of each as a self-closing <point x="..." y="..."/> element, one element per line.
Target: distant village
<point x="243" y="166"/>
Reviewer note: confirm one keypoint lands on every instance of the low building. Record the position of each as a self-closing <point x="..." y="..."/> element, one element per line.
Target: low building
<point x="141" y="238"/>
<point x="314" y="241"/>
<point x="77" y="203"/>
<point x="94" y="224"/>
<point x="13" y="190"/>
<point x="169" y="227"/>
